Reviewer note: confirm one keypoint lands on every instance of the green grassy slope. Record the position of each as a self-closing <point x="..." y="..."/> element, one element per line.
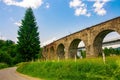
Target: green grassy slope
<point x="86" y="69"/>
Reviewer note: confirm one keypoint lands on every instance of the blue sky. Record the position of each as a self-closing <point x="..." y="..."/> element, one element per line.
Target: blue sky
<point x="55" y="18"/>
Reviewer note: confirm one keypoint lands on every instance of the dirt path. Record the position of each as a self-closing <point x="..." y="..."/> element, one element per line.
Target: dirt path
<point x="11" y="74"/>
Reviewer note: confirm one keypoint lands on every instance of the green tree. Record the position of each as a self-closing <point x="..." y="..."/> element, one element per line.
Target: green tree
<point x="2" y="43"/>
<point x="106" y="51"/>
<point x="28" y="37"/>
<point x="5" y="58"/>
<point x="7" y="51"/>
<point x="112" y="51"/>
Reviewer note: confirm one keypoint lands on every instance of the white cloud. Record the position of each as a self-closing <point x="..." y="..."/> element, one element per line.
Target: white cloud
<point x="75" y="3"/>
<point x="99" y="7"/>
<point x="48" y="41"/>
<point x="81" y="11"/>
<point x="99" y="0"/>
<point x="101" y="11"/>
<point x="47" y="5"/>
<point x="25" y="3"/>
<point x="88" y="15"/>
<point x="2" y="37"/>
<point x="18" y="23"/>
<point x="80" y="8"/>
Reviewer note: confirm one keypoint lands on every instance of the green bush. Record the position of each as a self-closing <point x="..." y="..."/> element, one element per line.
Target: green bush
<point x="87" y="69"/>
<point x="83" y="54"/>
<point x="5" y="58"/>
<point x="3" y="65"/>
<point x="111" y="51"/>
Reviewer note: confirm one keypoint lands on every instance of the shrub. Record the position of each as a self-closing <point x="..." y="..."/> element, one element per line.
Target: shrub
<point x="5" y="58"/>
<point x="3" y="65"/>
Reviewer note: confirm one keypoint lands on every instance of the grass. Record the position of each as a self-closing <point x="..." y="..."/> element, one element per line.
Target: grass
<point x="86" y="69"/>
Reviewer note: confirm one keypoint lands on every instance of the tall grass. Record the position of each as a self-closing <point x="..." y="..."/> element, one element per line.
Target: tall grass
<point x="86" y="69"/>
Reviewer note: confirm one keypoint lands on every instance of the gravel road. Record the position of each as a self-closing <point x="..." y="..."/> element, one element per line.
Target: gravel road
<point x="11" y="74"/>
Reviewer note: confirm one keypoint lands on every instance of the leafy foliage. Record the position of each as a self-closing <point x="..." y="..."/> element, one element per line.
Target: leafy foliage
<point x="4" y="57"/>
<point x="86" y="69"/>
<point x="111" y="51"/>
<point x="28" y="37"/>
<point x="7" y="52"/>
<point x="107" y="51"/>
<point x="3" y="65"/>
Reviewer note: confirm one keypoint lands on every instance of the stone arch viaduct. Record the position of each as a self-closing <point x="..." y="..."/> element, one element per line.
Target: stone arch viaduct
<point x="92" y="37"/>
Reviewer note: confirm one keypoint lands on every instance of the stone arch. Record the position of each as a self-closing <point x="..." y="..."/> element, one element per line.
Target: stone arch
<point x="61" y="51"/>
<point x="72" y="51"/>
<point x="97" y="43"/>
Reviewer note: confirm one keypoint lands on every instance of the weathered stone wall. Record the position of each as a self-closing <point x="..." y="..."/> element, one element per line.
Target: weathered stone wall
<point x="92" y="38"/>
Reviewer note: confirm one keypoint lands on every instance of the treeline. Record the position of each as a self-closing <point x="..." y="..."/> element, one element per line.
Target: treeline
<point x="8" y="52"/>
<point x="107" y="51"/>
<point x="28" y="44"/>
<point x="111" y="51"/>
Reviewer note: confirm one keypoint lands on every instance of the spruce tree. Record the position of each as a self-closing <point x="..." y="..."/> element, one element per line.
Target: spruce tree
<point x="28" y="37"/>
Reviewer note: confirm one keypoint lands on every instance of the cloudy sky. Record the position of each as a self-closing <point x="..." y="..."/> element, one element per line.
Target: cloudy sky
<point x="55" y="18"/>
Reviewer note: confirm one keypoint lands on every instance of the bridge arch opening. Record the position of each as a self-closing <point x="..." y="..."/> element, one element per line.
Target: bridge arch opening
<point x="61" y="51"/>
<point x="77" y="49"/>
<point x="101" y="38"/>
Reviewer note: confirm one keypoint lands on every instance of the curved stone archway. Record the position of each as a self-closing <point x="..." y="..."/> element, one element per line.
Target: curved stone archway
<point x="61" y="51"/>
<point x="98" y="41"/>
<point x="73" y="48"/>
<point x="92" y="37"/>
<point x="97" y="44"/>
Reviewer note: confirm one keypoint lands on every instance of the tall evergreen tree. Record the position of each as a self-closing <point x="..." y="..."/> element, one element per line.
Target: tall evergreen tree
<point x="28" y="37"/>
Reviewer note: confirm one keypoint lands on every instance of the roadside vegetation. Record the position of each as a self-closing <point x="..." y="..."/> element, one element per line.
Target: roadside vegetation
<point x="83" y="69"/>
<point x="7" y="53"/>
<point x="28" y="50"/>
<point x="28" y="44"/>
<point x="3" y="65"/>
